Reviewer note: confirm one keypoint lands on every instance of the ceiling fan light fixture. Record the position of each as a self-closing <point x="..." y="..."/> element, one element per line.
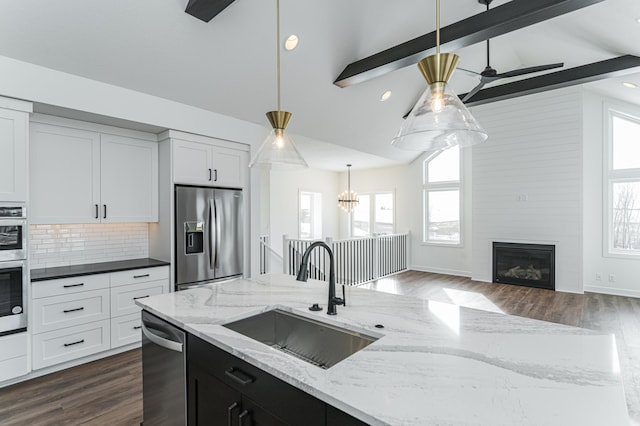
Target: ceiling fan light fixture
<point x="278" y="149"/>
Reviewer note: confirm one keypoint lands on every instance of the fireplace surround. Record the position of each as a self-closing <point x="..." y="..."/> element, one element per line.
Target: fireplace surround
<point x="531" y="265"/>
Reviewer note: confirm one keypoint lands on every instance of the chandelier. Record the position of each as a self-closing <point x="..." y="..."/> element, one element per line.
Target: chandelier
<point x="348" y="200"/>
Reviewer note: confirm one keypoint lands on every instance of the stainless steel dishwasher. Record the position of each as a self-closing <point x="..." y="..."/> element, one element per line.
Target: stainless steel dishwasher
<point x="164" y="368"/>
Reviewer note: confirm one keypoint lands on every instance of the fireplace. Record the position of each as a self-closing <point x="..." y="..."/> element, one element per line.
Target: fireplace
<point x="531" y="265"/>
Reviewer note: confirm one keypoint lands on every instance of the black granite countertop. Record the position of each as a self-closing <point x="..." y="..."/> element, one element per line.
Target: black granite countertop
<point x="44" y="274"/>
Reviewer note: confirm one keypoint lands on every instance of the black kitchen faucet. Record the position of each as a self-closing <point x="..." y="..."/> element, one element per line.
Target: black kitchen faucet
<point x="302" y="276"/>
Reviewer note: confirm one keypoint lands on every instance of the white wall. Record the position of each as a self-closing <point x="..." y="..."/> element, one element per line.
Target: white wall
<point x="284" y="188"/>
<point x="626" y="271"/>
<point x="534" y="150"/>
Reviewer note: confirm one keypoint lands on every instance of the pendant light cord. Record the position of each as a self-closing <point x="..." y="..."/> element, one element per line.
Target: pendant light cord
<point x="437" y="27"/>
<point x="278" y="47"/>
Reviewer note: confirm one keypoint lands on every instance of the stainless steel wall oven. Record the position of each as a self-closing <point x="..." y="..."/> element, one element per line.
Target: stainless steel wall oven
<point x="13" y="233"/>
<point x="13" y="269"/>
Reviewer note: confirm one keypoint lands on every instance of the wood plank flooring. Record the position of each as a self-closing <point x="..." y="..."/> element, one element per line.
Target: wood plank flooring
<point x="109" y="391"/>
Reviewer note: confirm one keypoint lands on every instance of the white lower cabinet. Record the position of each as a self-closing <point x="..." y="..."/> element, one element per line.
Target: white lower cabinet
<point x="13" y="356"/>
<point x="125" y="330"/>
<point x="70" y="343"/>
<point x="52" y="313"/>
<point x="84" y="315"/>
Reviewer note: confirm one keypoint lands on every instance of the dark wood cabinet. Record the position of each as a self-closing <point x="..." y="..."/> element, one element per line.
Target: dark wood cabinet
<point x="225" y="390"/>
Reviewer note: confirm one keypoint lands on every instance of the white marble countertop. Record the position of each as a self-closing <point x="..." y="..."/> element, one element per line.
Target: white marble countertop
<point x="435" y="363"/>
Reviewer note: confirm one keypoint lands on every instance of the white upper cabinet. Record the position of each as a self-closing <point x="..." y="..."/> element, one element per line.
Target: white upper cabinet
<point x="192" y="163"/>
<point x="83" y="176"/>
<point x="65" y="175"/>
<point x="209" y="162"/>
<point x="14" y="125"/>
<point x="129" y="179"/>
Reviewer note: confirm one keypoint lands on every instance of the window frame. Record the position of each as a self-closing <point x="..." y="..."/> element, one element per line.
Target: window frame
<point x="454" y="185"/>
<point x="611" y="176"/>
<point x="372" y="211"/>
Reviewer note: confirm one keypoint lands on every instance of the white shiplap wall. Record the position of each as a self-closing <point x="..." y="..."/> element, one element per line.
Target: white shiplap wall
<point x="527" y="180"/>
<point x="74" y="244"/>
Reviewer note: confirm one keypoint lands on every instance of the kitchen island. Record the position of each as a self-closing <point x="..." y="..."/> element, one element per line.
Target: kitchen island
<point x="432" y="364"/>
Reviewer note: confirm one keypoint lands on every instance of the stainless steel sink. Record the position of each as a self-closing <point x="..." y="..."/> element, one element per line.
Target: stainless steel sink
<point x="313" y="341"/>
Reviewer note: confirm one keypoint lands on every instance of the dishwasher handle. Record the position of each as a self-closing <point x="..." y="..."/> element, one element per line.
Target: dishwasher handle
<point x="160" y="341"/>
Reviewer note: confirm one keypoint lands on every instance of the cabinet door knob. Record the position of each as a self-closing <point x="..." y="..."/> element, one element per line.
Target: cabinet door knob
<point x="97" y="212"/>
<point x="230" y="410"/>
<point x="105" y="211"/>
<point x="209" y="174"/>
<point x="215" y="175"/>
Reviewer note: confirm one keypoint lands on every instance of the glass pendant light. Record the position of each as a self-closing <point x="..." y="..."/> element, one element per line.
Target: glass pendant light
<point x="348" y="200"/>
<point x="439" y="119"/>
<point x="278" y="148"/>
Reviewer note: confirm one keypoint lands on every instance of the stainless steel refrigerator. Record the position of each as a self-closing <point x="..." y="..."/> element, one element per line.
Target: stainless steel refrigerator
<point x="209" y="238"/>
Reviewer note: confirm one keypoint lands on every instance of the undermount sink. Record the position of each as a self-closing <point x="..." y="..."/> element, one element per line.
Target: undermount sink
<point x="316" y="342"/>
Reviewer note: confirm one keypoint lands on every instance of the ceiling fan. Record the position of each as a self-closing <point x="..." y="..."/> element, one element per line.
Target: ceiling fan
<point x="490" y="74"/>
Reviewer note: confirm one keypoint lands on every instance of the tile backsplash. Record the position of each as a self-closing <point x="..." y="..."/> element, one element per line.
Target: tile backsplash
<point x="74" y="244"/>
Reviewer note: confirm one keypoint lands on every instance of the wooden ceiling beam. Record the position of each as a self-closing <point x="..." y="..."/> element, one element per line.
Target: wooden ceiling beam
<point x="615" y="67"/>
<point x="500" y="20"/>
<point x="206" y="10"/>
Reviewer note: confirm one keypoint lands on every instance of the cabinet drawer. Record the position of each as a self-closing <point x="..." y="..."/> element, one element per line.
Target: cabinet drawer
<point x="125" y="330"/>
<point x="142" y="275"/>
<point x="69" y="285"/>
<point x="123" y="299"/>
<point x="13" y="346"/>
<point x="70" y="343"/>
<point x="300" y="409"/>
<point x="52" y="313"/>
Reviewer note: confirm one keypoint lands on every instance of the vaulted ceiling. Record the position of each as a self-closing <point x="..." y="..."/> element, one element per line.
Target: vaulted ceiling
<point x="228" y="65"/>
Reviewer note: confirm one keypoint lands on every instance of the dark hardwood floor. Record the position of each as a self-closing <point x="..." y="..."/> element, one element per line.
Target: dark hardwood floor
<point x="109" y="391"/>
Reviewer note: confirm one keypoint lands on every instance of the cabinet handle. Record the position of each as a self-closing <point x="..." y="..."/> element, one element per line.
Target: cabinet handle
<point x="239" y="376"/>
<point x="209" y="174"/>
<point x="137" y="327"/>
<point x="73" y="285"/>
<point x="66" y="311"/>
<point x="140" y="297"/>
<point x="242" y="415"/>
<point x="97" y="211"/>
<point x="140" y="276"/>
<point x="230" y="410"/>
<point x="215" y="175"/>
<point x="73" y="343"/>
<point x="105" y="211"/>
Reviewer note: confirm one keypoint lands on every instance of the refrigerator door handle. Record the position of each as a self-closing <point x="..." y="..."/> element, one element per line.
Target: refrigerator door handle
<point x="216" y="225"/>
<point x="212" y="242"/>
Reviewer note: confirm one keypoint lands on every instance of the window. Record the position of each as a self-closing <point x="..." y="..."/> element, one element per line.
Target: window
<point x="623" y="185"/>
<point x="373" y="214"/>
<point x="310" y="216"/>
<point x="441" y="197"/>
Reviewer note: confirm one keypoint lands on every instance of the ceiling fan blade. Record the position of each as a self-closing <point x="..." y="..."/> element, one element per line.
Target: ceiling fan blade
<point x="530" y="70"/>
<point x="474" y="91"/>
<point x="468" y="72"/>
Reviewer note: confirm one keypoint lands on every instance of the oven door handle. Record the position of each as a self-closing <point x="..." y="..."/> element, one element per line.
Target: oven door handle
<point x="160" y="341"/>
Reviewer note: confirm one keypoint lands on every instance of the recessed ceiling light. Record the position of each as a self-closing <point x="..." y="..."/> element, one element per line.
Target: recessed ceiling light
<point x="638" y="20"/>
<point x="630" y="85"/>
<point x="291" y="42"/>
<point x="386" y="95"/>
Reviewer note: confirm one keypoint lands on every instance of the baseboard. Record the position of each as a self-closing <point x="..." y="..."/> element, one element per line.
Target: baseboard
<point x="444" y="271"/>
<point x="612" y="291"/>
